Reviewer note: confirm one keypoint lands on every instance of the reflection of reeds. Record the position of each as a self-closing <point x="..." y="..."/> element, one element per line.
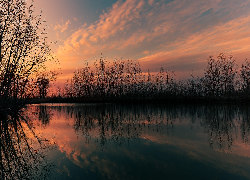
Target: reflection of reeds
<point x="44" y="114"/>
<point x="21" y="155"/>
<point x="117" y="123"/>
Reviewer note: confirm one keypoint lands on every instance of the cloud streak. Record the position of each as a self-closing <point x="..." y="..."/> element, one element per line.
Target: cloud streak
<point x="168" y="31"/>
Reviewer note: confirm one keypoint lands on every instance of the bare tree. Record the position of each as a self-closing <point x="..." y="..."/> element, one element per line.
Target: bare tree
<point x="219" y="75"/>
<point x="245" y="75"/>
<point x="23" y="46"/>
<point x="211" y="79"/>
<point x="228" y="72"/>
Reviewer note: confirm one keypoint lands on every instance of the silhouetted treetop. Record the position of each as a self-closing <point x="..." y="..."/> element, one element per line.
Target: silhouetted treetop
<point x="23" y="46"/>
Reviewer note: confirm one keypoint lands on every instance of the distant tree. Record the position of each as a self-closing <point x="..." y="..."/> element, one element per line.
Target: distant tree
<point x="220" y="74"/>
<point x="101" y="76"/>
<point x="212" y="73"/>
<point x="68" y="89"/>
<point x="83" y="81"/>
<point x="23" y="46"/>
<point x="43" y="82"/>
<point x="228" y="71"/>
<point x="245" y="75"/>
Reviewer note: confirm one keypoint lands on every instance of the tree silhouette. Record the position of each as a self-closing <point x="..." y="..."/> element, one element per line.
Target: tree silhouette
<point x="23" y="47"/>
<point x="245" y="75"/>
<point x="219" y="75"/>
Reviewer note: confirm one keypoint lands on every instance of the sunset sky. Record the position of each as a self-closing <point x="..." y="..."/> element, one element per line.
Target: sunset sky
<point x="175" y="34"/>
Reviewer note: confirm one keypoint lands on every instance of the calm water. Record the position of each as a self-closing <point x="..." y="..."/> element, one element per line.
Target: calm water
<point x="107" y="141"/>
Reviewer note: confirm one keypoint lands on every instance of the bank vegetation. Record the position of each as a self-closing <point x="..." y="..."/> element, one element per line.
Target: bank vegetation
<point x="124" y="81"/>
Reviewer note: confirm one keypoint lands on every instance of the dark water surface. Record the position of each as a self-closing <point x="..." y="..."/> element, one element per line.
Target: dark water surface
<point x="107" y="141"/>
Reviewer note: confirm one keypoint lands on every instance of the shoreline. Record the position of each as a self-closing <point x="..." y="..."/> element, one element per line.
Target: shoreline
<point x="186" y="100"/>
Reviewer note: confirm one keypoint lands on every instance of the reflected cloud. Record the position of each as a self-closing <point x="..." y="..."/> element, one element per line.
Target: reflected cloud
<point x="98" y="137"/>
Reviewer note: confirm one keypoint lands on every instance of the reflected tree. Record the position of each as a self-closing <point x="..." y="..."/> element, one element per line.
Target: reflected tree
<point x="220" y="126"/>
<point x="245" y="125"/>
<point x="21" y="150"/>
<point x="120" y="124"/>
<point x="44" y="114"/>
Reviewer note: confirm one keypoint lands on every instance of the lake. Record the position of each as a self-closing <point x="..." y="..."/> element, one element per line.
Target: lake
<point x="110" y="141"/>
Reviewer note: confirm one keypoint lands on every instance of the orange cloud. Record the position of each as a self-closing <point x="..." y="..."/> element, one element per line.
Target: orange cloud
<point x="62" y="27"/>
<point x="175" y="33"/>
<point x="113" y="22"/>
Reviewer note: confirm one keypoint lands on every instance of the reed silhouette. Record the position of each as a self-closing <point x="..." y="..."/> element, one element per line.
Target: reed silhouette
<point x="124" y="81"/>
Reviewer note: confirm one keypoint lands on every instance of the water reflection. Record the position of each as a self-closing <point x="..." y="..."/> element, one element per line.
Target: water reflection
<point x="44" y="114"/>
<point x="108" y="141"/>
<point x="21" y="149"/>
<point x="109" y="122"/>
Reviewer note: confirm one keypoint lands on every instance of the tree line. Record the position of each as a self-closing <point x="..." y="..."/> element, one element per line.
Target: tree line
<point x="123" y="80"/>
